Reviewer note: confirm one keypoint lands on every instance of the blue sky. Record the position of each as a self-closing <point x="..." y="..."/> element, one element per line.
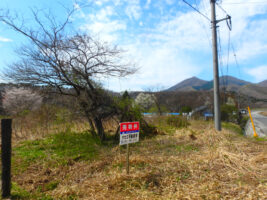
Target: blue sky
<point x="167" y="39"/>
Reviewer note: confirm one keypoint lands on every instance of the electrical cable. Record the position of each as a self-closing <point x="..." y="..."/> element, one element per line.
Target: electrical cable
<point x="228" y="54"/>
<point x="196" y="10"/>
<point x="220" y="52"/>
<point x="239" y="75"/>
<point x="221" y="66"/>
<point x="236" y="62"/>
<point x="228" y="17"/>
<point x="206" y="7"/>
<point x="222" y="8"/>
<point x="204" y="27"/>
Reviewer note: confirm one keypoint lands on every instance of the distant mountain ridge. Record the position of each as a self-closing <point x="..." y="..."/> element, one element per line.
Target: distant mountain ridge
<point x="263" y="83"/>
<point x="188" y="84"/>
<point x="229" y="82"/>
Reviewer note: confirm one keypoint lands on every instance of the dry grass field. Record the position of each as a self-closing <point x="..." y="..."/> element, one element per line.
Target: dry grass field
<point x="190" y="163"/>
<point x="264" y="113"/>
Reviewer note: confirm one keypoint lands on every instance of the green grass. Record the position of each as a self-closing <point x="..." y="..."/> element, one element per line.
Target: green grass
<point x="51" y="185"/>
<point x="52" y="151"/>
<point x="186" y="148"/>
<point x="19" y="193"/>
<point x="232" y="127"/>
<point x="167" y="129"/>
<point x="56" y="149"/>
<point x="260" y="139"/>
<point x="169" y="124"/>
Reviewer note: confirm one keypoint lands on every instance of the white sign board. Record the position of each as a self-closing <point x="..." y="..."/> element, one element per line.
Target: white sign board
<point x="129" y="132"/>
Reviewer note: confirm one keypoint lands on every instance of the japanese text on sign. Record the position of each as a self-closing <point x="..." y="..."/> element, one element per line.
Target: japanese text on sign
<point x="129" y="132"/>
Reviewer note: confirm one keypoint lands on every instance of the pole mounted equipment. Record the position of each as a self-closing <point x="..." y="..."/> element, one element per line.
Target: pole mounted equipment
<point x="229" y="22"/>
<point x="214" y="22"/>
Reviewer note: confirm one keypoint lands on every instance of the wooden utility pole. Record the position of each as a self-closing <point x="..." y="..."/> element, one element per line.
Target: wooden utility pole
<point x="216" y="91"/>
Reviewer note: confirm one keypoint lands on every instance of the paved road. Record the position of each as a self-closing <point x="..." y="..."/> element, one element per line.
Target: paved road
<point x="260" y="123"/>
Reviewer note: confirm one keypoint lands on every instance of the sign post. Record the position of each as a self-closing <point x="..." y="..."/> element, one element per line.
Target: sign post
<point x="127" y="160"/>
<point x="129" y="133"/>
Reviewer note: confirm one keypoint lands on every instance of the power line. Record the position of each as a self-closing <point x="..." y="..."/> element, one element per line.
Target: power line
<point x="220" y="59"/>
<point x="203" y="26"/>
<point x="196" y="10"/>
<point x="239" y="74"/>
<point x="206" y="7"/>
<point x="222" y="8"/>
<point x="227" y="18"/>
<point x="220" y="50"/>
<point x="221" y="66"/>
<point x="236" y="62"/>
<point x="228" y="54"/>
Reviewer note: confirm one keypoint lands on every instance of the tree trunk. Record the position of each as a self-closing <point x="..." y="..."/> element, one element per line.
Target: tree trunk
<point x="87" y="114"/>
<point x="117" y="134"/>
<point x="100" y="129"/>
<point x="92" y="128"/>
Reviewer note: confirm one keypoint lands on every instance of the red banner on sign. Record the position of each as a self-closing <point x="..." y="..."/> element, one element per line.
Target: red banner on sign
<point x="129" y="126"/>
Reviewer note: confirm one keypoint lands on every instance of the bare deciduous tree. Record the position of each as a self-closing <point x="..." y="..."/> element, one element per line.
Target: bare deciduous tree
<point x="70" y="64"/>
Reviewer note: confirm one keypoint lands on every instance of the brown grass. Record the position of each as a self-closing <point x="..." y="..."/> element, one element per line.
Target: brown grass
<point x="193" y="163"/>
<point x="264" y="113"/>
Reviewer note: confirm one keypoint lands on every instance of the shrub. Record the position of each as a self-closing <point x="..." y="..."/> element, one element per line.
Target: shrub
<point x="243" y="122"/>
<point x="20" y="100"/>
<point x="146" y="101"/>
<point x="229" y="113"/>
<point x="177" y="121"/>
<point x="186" y="109"/>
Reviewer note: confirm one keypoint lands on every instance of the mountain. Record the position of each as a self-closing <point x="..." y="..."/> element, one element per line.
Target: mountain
<point x="196" y="84"/>
<point x="263" y="83"/>
<point x="230" y="80"/>
<point x="188" y="84"/>
<point x="255" y="91"/>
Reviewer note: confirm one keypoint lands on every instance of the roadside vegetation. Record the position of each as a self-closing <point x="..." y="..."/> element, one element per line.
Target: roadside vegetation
<point x="230" y="113"/>
<point x="264" y="113"/>
<point x="177" y="162"/>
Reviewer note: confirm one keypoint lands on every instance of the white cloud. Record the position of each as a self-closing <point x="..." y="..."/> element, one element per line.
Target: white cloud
<point x="185" y="31"/>
<point x="133" y="10"/>
<point x="3" y="39"/>
<point x="102" y="25"/>
<point x="159" y="65"/>
<point x="170" y="2"/>
<point x="76" y="6"/>
<point x="162" y="50"/>
<point x="258" y="73"/>
<point x="250" y="50"/>
<point x="105" y="30"/>
<point x="103" y="14"/>
<point x="100" y="2"/>
<point x="147" y="5"/>
<point x="248" y="31"/>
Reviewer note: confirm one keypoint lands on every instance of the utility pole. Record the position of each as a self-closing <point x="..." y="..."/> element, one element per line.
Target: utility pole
<point x="216" y="91"/>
